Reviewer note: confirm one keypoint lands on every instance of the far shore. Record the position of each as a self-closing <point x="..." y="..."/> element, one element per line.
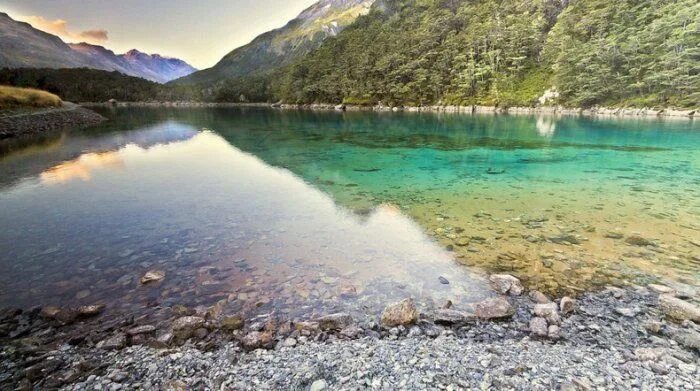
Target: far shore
<point x="515" y="110"/>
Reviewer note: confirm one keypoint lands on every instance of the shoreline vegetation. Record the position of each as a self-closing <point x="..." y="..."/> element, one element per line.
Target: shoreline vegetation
<point x="647" y="334"/>
<point x="515" y="110"/>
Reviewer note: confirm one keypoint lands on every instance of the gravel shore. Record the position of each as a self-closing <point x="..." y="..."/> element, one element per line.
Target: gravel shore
<point x="40" y="121"/>
<point x="632" y="338"/>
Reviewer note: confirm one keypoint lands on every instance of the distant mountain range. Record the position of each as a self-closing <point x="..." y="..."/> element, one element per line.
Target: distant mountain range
<point x="23" y="46"/>
<point x="280" y="47"/>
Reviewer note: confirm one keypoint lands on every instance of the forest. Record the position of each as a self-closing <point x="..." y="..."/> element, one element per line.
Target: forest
<point x="502" y="53"/>
<point x="91" y="85"/>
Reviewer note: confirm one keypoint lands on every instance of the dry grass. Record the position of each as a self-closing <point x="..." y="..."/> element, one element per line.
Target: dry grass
<point x="15" y="98"/>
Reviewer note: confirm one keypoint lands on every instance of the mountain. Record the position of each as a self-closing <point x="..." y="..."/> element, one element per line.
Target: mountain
<point x="163" y="69"/>
<point x="279" y="47"/>
<point x="579" y="53"/>
<point x="23" y="46"/>
<point x="152" y="67"/>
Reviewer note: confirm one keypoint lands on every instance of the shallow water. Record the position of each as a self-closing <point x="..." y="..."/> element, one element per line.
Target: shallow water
<point x="306" y="212"/>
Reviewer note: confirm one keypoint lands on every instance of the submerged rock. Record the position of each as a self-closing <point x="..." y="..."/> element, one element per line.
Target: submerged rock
<point x="152" y="276"/>
<point x="495" y="308"/>
<point x="91" y="310"/>
<point x="679" y="309"/>
<point x="337" y="321"/>
<point x="451" y="317"/>
<point x="257" y="340"/>
<point x="636" y="240"/>
<point x="138" y="330"/>
<point x="184" y="327"/>
<point x="113" y="343"/>
<point x="506" y="284"/>
<point x="232" y="323"/>
<point x="402" y="313"/>
<point x="49" y="312"/>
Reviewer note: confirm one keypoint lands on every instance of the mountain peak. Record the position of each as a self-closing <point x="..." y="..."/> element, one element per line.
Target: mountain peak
<point x="300" y="36"/>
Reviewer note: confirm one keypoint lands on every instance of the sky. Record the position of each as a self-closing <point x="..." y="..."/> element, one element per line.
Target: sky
<point x="200" y="32"/>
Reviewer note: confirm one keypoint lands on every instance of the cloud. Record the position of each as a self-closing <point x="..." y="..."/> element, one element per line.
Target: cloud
<point x="60" y="28"/>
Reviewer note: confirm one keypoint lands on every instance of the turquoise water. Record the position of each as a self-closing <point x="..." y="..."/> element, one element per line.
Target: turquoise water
<point x="304" y="212"/>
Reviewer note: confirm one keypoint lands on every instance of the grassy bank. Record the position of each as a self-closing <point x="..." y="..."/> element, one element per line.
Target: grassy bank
<point x="15" y="98"/>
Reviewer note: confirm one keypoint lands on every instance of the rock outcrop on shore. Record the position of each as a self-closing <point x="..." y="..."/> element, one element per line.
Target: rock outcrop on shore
<point x="37" y="122"/>
<point x="566" y="344"/>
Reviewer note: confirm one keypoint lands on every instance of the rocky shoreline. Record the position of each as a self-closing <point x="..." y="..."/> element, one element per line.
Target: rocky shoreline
<point x="542" y="110"/>
<point x="617" y="338"/>
<point x="41" y="121"/>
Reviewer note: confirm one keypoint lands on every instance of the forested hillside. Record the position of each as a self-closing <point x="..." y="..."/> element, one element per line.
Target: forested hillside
<point x="505" y="52"/>
<point x="91" y="85"/>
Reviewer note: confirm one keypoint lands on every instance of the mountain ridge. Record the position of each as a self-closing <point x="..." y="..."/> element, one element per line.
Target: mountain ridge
<point x="23" y="46"/>
<point x="281" y="46"/>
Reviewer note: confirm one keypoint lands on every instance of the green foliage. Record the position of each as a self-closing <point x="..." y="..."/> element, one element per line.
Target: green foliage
<point x="90" y="85"/>
<point x="636" y="52"/>
<point x="420" y="52"/>
<point x="503" y="53"/>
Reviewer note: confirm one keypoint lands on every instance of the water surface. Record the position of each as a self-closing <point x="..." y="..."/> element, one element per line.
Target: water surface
<point x="304" y="212"/>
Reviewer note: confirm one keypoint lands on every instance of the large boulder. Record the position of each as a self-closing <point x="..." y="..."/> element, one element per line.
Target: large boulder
<point x="402" y="313"/>
<point x="337" y="321"/>
<point x="506" y="284"/>
<point x="494" y="308"/>
<point x="679" y="309"/>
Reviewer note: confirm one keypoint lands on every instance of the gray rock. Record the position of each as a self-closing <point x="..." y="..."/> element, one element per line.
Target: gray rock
<point x="539" y="297"/>
<point x="402" y="313"/>
<point x="554" y="332"/>
<point x="90" y="310"/>
<point x="636" y="240"/>
<point x="679" y="309"/>
<point x="257" y="340"/>
<point x="688" y="338"/>
<point x="453" y="317"/>
<point x="506" y="284"/>
<point x="318" y="385"/>
<point x="145" y="329"/>
<point x="184" y="327"/>
<point x="567" y="305"/>
<point x="495" y="308"/>
<point x="232" y="323"/>
<point x="114" y="342"/>
<point x="538" y="327"/>
<point x="152" y="276"/>
<point x="548" y="311"/>
<point x="337" y="321"/>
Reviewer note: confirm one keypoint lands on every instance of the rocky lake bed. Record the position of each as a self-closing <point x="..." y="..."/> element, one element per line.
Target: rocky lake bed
<point x="237" y="248"/>
<point x="616" y="338"/>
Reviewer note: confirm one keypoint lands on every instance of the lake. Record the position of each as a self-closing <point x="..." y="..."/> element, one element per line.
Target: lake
<point x="302" y="213"/>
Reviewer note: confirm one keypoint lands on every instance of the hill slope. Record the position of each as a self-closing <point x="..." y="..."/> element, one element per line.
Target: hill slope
<point x="497" y="53"/>
<point x="282" y="46"/>
<point x="23" y="46"/>
<point x="508" y="52"/>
